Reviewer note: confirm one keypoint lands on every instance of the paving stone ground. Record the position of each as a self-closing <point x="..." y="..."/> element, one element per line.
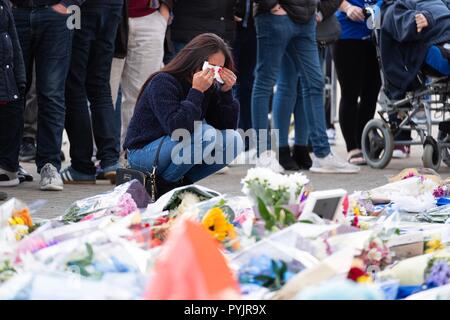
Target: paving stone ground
<point x="229" y="183"/>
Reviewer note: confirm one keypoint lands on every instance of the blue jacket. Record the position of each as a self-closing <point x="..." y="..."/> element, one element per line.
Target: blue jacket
<point x="12" y="67"/>
<point x="403" y="49"/>
<point x="168" y="103"/>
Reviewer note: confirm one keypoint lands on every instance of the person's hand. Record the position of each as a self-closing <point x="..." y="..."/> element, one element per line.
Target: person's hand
<point x="165" y="12"/>
<point x="229" y="79"/>
<point x="278" y="11"/>
<point x="60" y="8"/>
<point x="203" y="80"/>
<point x="319" y="17"/>
<point x="237" y="19"/>
<point x="355" y="13"/>
<point x="421" y="22"/>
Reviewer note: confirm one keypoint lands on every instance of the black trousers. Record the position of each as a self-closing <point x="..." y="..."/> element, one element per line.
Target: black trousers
<point x="245" y="55"/>
<point x="359" y="77"/>
<point x="11" y="128"/>
<point x="88" y="81"/>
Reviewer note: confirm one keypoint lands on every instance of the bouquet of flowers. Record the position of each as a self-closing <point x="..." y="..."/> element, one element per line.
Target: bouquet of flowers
<point x="276" y="196"/>
<point x="15" y="221"/>
<point x="438" y="272"/>
<point x="376" y="254"/>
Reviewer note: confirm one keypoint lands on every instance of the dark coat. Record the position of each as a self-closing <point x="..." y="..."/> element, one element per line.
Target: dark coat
<point x="300" y="11"/>
<point x="329" y="7"/>
<point x="12" y="67"/>
<point x="194" y="17"/>
<point x="403" y="49"/>
<point x="168" y="103"/>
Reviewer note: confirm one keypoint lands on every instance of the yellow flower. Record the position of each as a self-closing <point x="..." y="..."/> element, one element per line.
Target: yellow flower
<point x="217" y="225"/>
<point x="364" y="279"/>
<point x="23" y="216"/>
<point x="434" y="245"/>
<point x="356" y="211"/>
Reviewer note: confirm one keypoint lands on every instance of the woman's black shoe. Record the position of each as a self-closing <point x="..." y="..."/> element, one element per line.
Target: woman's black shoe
<point x="3" y="196"/>
<point x="301" y="157"/>
<point x="286" y="160"/>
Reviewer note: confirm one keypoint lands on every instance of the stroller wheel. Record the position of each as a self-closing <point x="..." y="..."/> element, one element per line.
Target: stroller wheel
<point x="377" y="144"/>
<point x="444" y="138"/>
<point x="431" y="157"/>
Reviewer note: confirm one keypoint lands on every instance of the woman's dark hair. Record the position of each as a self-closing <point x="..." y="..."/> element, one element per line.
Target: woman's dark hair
<point x="191" y="58"/>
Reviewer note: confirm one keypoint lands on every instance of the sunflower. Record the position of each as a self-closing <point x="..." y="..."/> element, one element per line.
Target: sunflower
<point x="216" y="223"/>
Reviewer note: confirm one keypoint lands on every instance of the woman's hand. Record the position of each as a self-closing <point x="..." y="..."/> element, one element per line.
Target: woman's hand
<point x="421" y="22"/>
<point x="355" y="13"/>
<point x="229" y="79"/>
<point x="60" y="8"/>
<point x="278" y="10"/>
<point x="165" y="12"/>
<point x="203" y="80"/>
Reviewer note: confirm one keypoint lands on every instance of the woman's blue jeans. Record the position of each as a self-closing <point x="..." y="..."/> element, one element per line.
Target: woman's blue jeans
<point x="281" y="44"/>
<point x="285" y="104"/>
<point x="195" y="157"/>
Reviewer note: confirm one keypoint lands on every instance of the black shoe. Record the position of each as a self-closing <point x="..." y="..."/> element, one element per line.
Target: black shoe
<point x="27" y="150"/>
<point x="163" y="186"/>
<point x="3" y="196"/>
<point x="24" y="176"/>
<point x="301" y="157"/>
<point x="286" y="160"/>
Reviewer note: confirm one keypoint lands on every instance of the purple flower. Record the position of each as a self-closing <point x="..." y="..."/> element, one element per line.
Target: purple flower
<point x="439" y="274"/>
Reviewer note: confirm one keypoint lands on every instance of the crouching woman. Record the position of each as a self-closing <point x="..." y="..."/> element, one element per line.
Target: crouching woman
<point x="188" y="114"/>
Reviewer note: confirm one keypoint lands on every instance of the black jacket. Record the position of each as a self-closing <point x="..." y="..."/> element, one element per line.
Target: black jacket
<point x="403" y="50"/>
<point x="329" y="7"/>
<point x="12" y="67"/>
<point x="194" y="17"/>
<point x="300" y="11"/>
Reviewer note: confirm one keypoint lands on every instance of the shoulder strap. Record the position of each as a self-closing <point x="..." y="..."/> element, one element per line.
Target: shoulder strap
<point x="156" y="162"/>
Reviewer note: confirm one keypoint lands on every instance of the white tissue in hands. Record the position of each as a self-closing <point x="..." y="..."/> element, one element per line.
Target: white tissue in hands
<point x="216" y="69"/>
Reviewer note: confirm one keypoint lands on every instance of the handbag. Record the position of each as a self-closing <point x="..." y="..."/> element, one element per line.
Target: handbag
<point x="147" y="179"/>
<point x="328" y="31"/>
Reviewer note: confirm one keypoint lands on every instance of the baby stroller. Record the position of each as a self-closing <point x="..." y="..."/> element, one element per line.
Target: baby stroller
<point x="380" y="136"/>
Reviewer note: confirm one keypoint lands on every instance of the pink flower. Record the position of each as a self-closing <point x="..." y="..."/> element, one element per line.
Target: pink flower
<point x="126" y="205"/>
<point x="439" y="192"/>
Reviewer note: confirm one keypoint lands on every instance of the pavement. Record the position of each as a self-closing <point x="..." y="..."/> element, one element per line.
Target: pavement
<point x="229" y="183"/>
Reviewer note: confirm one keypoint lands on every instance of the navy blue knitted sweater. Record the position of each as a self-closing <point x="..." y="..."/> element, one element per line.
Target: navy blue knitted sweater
<point x="168" y="103"/>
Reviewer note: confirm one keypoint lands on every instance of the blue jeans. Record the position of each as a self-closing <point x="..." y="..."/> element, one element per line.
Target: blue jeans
<point x="88" y="81"/>
<point x="205" y="141"/>
<point x="283" y="42"/>
<point x="46" y="40"/>
<point x="285" y="104"/>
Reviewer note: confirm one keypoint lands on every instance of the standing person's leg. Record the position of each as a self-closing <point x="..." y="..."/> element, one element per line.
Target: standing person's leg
<point x="273" y="35"/>
<point x="53" y="47"/>
<point x="78" y="118"/>
<point x="116" y="93"/>
<point x="28" y="147"/>
<point x="283" y="106"/>
<point x="303" y="49"/>
<point x="11" y="127"/>
<point x="301" y="149"/>
<point x="348" y="58"/>
<point x="245" y="56"/>
<point x="144" y="57"/>
<point x="371" y="84"/>
<point x="99" y="90"/>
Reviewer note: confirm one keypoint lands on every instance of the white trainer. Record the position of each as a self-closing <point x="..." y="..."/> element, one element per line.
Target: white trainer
<point x="268" y="159"/>
<point x="8" y="178"/>
<point x="333" y="164"/>
<point x="50" y="179"/>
